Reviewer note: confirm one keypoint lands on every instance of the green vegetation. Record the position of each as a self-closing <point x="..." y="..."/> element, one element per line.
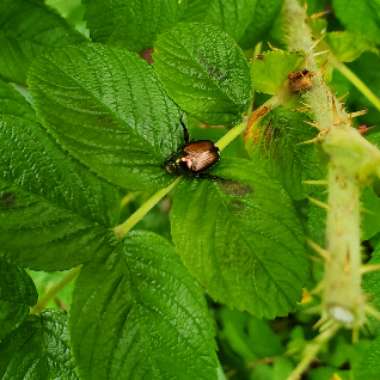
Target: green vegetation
<point x="265" y="266"/>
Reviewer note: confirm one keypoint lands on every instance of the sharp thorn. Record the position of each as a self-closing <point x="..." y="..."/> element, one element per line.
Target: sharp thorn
<point x="317" y="15"/>
<point x="314" y="124"/>
<point x="342" y="97"/>
<point x="318" y="203"/>
<point x="311" y="141"/>
<point x="315" y="182"/>
<point x="318" y="249"/>
<point x="316" y="43"/>
<point x="320" y="322"/>
<point x="358" y="113"/>
<point x="355" y="334"/>
<point x="368" y="268"/>
<point x="318" y="53"/>
<point x="272" y="47"/>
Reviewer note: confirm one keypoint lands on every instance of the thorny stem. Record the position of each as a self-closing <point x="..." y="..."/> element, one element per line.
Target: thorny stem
<point x="352" y="161"/>
<point x="356" y="81"/>
<point x="122" y="229"/>
<point x="312" y="350"/>
<point x="54" y="290"/>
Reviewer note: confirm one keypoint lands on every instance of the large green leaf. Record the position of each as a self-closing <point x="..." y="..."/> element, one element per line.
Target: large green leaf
<point x="262" y="21"/>
<point x="347" y="46"/>
<point x="204" y="71"/>
<point x="241" y="238"/>
<point x="361" y="17"/>
<point x="368" y="365"/>
<point x="38" y="350"/>
<point x="231" y="16"/>
<point x="277" y="143"/>
<point x="107" y="108"/>
<point x="17" y="293"/>
<point x="365" y="69"/>
<point x="54" y="214"/>
<point x="133" y="24"/>
<point x="27" y="29"/>
<point x="139" y="315"/>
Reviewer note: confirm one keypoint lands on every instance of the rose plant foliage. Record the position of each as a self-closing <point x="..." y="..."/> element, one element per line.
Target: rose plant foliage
<point x="113" y="268"/>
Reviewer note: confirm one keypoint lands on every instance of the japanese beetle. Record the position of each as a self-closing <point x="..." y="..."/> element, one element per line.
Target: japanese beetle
<point x="300" y="81"/>
<point x="194" y="158"/>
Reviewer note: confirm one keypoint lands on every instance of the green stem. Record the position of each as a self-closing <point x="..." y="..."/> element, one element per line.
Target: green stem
<point x="357" y="82"/>
<point x="230" y="135"/>
<point x="122" y="229"/>
<point x="311" y="351"/>
<point x="343" y="297"/>
<point x="54" y="290"/>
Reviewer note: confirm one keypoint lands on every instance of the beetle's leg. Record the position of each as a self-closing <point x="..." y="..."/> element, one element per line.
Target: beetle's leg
<point x="186" y="135"/>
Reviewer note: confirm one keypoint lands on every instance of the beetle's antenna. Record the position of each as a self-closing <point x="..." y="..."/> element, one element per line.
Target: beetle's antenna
<point x="186" y="135"/>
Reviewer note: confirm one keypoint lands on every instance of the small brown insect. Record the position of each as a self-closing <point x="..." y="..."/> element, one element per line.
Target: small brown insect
<point x="300" y="81"/>
<point x="194" y="158"/>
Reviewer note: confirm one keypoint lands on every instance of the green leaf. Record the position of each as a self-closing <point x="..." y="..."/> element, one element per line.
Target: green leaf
<point x="331" y="373"/>
<point x="366" y="69"/>
<point x="347" y="46"/>
<point x="133" y="24"/>
<point x="45" y="280"/>
<point x="107" y="108"/>
<point x="38" y="349"/>
<point x="231" y="16"/>
<point x="262" y="21"/>
<point x="28" y="29"/>
<point x="279" y="147"/>
<point x="241" y="238"/>
<point x="282" y="368"/>
<point x="17" y="293"/>
<point x="204" y="71"/>
<point x="54" y="214"/>
<point x="371" y="285"/>
<point x="139" y="315"/>
<point x="270" y="72"/>
<point x="362" y="17"/>
<point x="368" y="366"/>
<point x="371" y="213"/>
<point x="249" y="337"/>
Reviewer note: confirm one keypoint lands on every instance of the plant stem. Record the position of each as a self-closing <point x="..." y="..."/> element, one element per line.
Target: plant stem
<point x="54" y="290"/>
<point x="122" y="229"/>
<point x="357" y="82"/>
<point x="343" y="298"/>
<point x="230" y="136"/>
<point x="319" y="97"/>
<point x="352" y="160"/>
<point x="311" y="352"/>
